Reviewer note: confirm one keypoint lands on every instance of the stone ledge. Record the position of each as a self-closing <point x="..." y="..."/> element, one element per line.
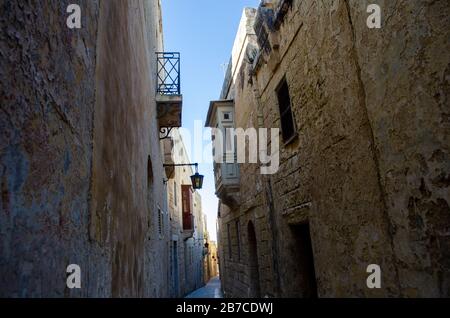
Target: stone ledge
<point x="298" y="214"/>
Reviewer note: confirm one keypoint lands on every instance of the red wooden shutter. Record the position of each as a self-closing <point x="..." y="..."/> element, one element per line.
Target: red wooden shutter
<point x="187" y="211"/>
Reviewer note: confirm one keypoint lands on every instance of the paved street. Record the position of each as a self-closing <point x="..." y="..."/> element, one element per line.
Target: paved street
<point x="211" y="290"/>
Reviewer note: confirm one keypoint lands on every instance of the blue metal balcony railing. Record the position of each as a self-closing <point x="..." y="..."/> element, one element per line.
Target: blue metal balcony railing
<point x="168" y="66"/>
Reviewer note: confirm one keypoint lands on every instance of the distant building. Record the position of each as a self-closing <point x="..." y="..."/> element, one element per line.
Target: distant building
<point x="210" y="261"/>
<point x="186" y="222"/>
<point x="213" y="265"/>
<point x="363" y="153"/>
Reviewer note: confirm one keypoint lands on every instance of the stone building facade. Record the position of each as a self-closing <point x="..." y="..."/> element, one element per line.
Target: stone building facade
<point x="210" y="261"/>
<point x="81" y="163"/>
<point x="212" y="264"/>
<point x="187" y="230"/>
<point x="363" y="146"/>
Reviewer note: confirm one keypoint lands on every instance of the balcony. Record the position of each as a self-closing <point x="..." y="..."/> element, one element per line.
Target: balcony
<point x="227" y="183"/>
<point x="271" y="15"/>
<point x="168" y="90"/>
<point x="226" y="175"/>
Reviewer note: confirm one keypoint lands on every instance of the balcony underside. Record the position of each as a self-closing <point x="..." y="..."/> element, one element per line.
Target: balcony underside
<point x="187" y="234"/>
<point x="229" y="194"/>
<point x="227" y="183"/>
<point x="168" y="158"/>
<point x="169" y="110"/>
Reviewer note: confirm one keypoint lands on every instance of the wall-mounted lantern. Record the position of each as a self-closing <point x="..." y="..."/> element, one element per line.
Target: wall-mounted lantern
<point x="196" y="179"/>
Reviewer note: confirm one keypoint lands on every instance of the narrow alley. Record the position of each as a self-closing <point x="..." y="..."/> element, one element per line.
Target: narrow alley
<point x="224" y="149"/>
<point x="211" y="290"/>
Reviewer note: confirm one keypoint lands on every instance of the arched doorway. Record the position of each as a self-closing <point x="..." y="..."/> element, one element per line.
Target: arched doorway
<point x="255" y="290"/>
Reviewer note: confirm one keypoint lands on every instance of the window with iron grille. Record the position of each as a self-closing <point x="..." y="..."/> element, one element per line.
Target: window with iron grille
<point x="263" y="25"/>
<point x="263" y="40"/>
<point x="286" y="118"/>
<point x="280" y="12"/>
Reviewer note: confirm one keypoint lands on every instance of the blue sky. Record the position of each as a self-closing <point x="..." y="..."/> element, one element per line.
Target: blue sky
<point x="203" y="31"/>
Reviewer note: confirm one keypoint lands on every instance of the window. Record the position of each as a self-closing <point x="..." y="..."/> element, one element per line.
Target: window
<point x="238" y="235"/>
<point x="175" y="193"/>
<point x="229" y="143"/>
<point x="160" y="222"/>
<point x="149" y="171"/>
<point x="229" y="240"/>
<point x="163" y="222"/>
<point x="286" y="117"/>
<point x="227" y="116"/>
<point x="262" y="36"/>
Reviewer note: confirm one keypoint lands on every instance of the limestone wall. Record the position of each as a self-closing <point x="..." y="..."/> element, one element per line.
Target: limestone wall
<point x="77" y="129"/>
<point x="368" y="170"/>
<point x="369" y="166"/>
<point x="404" y="74"/>
<point x="328" y="175"/>
<point x="47" y="104"/>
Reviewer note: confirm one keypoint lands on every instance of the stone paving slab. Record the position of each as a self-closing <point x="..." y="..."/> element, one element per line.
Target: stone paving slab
<point x="211" y="290"/>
